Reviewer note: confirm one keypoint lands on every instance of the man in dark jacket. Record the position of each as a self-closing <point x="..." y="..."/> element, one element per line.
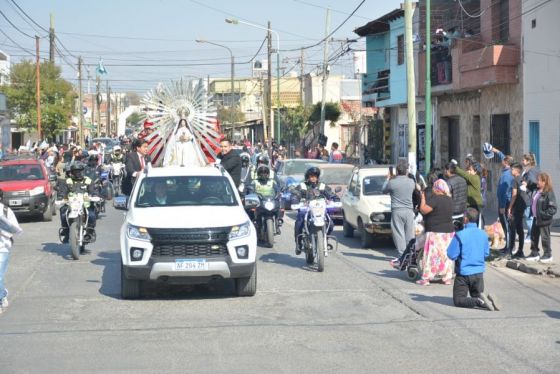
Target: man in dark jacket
<point x="230" y="161"/>
<point x="458" y="189"/>
<point x="135" y="162"/>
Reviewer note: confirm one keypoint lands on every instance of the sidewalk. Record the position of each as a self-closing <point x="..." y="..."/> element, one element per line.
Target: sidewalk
<point x="491" y="215"/>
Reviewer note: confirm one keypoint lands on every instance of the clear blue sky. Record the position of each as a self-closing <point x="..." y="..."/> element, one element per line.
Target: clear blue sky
<point x="159" y="32"/>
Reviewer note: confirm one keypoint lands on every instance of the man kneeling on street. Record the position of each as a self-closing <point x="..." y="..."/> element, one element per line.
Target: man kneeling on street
<point x="468" y="249"/>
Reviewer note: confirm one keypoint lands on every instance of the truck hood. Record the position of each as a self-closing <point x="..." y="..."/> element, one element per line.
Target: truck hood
<point x="23" y="185"/>
<point x="377" y="203"/>
<point x="187" y="217"/>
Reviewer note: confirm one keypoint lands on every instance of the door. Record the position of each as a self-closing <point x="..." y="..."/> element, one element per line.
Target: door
<point x="350" y="200"/>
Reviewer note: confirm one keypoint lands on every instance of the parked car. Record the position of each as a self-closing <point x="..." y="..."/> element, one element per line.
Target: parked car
<point x="196" y="233"/>
<point x="364" y="206"/>
<point x="337" y="177"/>
<point x="291" y="172"/>
<point x="28" y="187"/>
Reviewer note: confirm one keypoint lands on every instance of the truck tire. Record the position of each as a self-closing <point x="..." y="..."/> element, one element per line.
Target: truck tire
<point x="347" y="229"/>
<point x="48" y="213"/>
<point x="247" y="286"/>
<point x="366" y="239"/>
<point x="130" y="288"/>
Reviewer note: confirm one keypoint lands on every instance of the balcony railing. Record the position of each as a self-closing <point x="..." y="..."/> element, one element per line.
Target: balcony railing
<point x="379" y="86"/>
<point x="442" y="66"/>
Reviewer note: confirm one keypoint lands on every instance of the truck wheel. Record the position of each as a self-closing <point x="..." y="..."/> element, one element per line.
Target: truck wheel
<point x="366" y="239"/>
<point x="347" y="229"/>
<point x="130" y="288"/>
<point x="247" y="286"/>
<point x="73" y="240"/>
<point x="48" y="213"/>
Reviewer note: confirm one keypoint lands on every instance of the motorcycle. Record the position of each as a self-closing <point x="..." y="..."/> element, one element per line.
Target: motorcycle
<point x="116" y="176"/>
<point x="317" y="224"/>
<point x="265" y="216"/>
<point x="77" y="218"/>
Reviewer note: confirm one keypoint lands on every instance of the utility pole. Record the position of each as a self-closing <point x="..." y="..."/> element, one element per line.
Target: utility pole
<point x="269" y="86"/>
<point x="325" y="73"/>
<point x="108" y="107"/>
<point x="428" y="128"/>
<point x="301" y="70"/>
<point x="38" y="87"/>
<point x="51" y="40"/>
<point x="411" y="89"/>
<point x="80" y="105"/>
<point x="98" y="102"/>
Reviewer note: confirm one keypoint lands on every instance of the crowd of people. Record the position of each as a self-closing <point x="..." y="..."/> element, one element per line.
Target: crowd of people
<point x="449" y="210"/>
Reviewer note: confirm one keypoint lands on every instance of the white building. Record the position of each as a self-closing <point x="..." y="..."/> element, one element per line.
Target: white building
<point x="4" y="68"/>
<point x="541" y="82"/>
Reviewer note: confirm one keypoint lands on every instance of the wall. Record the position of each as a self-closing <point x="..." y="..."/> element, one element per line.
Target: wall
<point x="541" y="81"/>
<point x="397" y="79"/>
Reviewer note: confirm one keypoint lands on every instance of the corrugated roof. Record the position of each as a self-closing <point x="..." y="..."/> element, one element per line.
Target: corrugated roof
<point x="379" y="25"/>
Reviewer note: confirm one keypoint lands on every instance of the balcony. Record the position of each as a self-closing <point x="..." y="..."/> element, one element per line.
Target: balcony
<point x="441" y="69"/>
<point x="378" y="88"/>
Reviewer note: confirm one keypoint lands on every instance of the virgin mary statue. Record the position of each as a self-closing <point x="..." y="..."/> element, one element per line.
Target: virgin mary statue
<point x="182" y="148"/>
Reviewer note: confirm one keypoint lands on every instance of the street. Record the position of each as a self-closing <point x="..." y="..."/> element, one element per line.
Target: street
<point x="358" y="316"/>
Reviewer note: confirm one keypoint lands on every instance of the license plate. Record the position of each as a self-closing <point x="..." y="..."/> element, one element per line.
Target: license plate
<point x="191" y="265"/>
<point x="14" y="202"/>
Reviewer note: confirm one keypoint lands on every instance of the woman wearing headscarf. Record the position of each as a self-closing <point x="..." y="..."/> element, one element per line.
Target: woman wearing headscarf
<point x="437" y="209"/>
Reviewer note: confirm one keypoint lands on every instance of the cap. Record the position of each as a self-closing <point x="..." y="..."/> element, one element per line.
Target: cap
<point x="487" y="150"/>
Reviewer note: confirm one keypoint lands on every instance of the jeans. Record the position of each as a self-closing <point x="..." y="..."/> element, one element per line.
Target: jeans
<point x="528" y="219"/>
<point x="465" y="284"/>
<point x="4" y="257"/>
<point x="542" y="232"/>
<point x="516" y="227"/>
<point x="505" y="226"/>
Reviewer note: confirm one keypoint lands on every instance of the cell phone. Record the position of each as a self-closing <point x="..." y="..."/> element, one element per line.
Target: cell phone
<point x="391" y="171"/>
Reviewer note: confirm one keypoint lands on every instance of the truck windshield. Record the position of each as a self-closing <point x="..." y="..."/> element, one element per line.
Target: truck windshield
<point x="20" y="172"/>
<point x="185" y="191"/>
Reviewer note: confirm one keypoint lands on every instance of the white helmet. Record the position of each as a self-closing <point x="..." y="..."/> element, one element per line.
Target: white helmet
<point x="116" y="148"/>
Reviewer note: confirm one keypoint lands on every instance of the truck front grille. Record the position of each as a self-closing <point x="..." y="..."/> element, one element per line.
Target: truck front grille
<point x="190" y="250"/>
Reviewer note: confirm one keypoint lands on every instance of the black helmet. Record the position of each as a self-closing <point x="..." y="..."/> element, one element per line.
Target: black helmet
<point x="312" y="171"/>
<point x="263" y="173"/>
<point x="262" y="159"/>
<point x="245" y="159"/>
<point x="77" y="170"/>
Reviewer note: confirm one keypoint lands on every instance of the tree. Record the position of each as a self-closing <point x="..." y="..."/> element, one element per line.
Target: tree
<point x="225" y="115"/>
<point x="297" y="120"/>
<point x="332" y="112"/>
<point x="57" y="98"/>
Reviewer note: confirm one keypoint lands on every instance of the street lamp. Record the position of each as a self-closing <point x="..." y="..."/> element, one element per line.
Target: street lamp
<point x="232" y="75"/>
<point x="235" y="22"/>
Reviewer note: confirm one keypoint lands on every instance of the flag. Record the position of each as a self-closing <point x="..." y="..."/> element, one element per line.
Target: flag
<point x="101" y="68"/>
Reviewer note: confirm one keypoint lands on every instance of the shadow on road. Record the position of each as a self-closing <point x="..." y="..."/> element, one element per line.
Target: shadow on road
<point x="443" y="300"/>
<point x="368" y="255"/>
<point x="392" y="273"/>
<point x="62" y="250"/>
<point x="287" y="260"/>
<point x="110" y="279"/>
<point x="552" y="313"/>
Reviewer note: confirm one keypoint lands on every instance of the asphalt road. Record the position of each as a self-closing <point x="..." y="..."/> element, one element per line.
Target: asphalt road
<point x="359" y="316"/>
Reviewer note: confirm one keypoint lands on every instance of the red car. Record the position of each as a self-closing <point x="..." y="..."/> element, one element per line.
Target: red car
<point x="28" y="187"/>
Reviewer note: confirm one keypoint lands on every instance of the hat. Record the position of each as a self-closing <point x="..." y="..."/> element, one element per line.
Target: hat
<point x="487" y="150"/>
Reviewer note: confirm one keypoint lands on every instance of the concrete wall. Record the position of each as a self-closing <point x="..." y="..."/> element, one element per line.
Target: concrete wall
<point x="541" y="82"/>
<point x="474" y="110"/>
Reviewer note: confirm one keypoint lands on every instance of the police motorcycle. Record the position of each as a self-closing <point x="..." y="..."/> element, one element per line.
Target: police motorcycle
<point x="103" y="186"/>
<point x="116" y="170"/>
<point x="317" y="225"/>
<point x="77" y="218"/>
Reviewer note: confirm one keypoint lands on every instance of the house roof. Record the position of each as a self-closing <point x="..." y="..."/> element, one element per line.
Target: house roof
<point x="379" y="25"/>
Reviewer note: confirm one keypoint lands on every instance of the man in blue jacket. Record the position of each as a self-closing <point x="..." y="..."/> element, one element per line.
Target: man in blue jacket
<point x="468" y="249"/>
<point x="504" y="192"/>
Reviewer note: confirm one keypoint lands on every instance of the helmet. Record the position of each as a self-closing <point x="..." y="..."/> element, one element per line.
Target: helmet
<point x="262" y="159"/>
<point x="93" y="159"/>
<point x="117" y="148"/>
<point x="77" y="170"/>
<point x="245" y="159"/>
<point x="312" y="171"/>
<point x="263" y="173"/>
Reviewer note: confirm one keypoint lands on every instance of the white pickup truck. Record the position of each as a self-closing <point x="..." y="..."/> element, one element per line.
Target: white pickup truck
<point x="186" y="225"/>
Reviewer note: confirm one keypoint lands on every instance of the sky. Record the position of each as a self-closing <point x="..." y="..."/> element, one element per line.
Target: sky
<point x="143" y="42"/>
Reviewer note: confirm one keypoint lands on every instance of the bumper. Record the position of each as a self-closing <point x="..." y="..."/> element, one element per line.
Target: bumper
<point x="163" y="269"/>
<point x="22" y="205"/>
<point x="379" y="228"/>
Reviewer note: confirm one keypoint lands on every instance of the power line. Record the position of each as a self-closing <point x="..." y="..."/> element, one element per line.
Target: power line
<point x="19" y="46"/>
<point x="15" y="27"/>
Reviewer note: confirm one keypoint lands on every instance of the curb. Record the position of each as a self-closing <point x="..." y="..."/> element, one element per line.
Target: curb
<point x="552" y="271"/>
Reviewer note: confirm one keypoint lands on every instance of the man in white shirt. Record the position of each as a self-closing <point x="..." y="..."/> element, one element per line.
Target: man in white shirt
<point x="8" y="227"/>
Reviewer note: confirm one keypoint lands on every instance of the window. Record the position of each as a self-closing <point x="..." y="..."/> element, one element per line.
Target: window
<point x="499" y="134"/>
<point x="534" y="139"/>
<point x="353" y="184"/>
<point x="373" y="185"/>
<point x="533" y="23"/>
<point x="502" y="25"/>
<point x="453" y="138"/>
<point x="400" y="49"/>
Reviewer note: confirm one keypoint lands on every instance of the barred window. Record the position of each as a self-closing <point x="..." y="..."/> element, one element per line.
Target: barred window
<point x="500" y="134"/>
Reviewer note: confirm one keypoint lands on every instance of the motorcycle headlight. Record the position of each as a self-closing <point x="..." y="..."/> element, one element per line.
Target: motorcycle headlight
<point x="317" y="208"/>
<point x="140" y="233"/>
<point x="240" y="231"/>
<point x="37" y="191"/>
<point x="269" y="205"/>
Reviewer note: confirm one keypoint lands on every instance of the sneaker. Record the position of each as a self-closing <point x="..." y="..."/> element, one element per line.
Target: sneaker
<point x="519" y="255"/>
<point x="423" y="282"/>
<point x="534" y="256"/>
<point x="395" y="263"/>
<point x="495" y="302"/>
<point x="546" y="259"/>
<point x="528" y="240"/>
<point x="484" y="303"/>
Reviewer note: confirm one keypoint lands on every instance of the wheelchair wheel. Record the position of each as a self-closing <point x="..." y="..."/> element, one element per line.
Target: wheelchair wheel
<point x="412" y="273"/>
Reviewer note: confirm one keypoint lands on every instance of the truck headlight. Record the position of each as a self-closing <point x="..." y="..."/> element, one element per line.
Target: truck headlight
<point x="140" y="233"/>
<point x="240" y="231"/>
<point x="377" y="217"/>
<point x="37" y="191"/>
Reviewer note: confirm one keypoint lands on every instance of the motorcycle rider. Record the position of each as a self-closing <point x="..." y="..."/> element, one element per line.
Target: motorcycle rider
<point x="246" y="169"/>
<point x="78" y="182"/>
<point x="263" y="184"/>
<point x="117" y="155"/>
<point x="310" y="189"/>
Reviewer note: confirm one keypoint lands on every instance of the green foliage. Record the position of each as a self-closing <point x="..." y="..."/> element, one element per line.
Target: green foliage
<point x="332" y="112"/>
<point x="136" y="118"/>
<point x="57" y="97"/>
<point x="296" y="122"/>
<point x="225" y="115"/>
